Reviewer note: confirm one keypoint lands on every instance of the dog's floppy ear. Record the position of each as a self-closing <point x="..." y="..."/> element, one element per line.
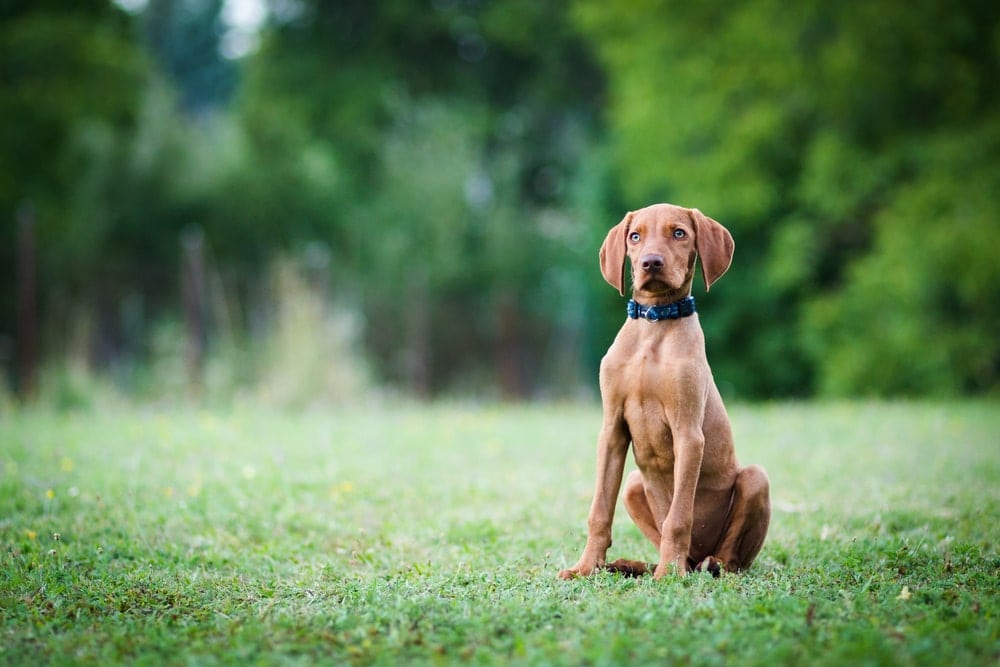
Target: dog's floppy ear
<point x="613" y="254"/>
<point x="715" y="246"/>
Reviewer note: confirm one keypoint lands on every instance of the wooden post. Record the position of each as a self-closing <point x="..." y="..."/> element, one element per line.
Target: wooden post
<point x="193" y="295"/>
<point x="27" y="303"/>
<point x="508" y="353"/>
<point x="419" y="359"/>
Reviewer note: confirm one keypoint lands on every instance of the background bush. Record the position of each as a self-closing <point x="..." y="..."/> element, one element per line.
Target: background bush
<point x="457" y="166"/>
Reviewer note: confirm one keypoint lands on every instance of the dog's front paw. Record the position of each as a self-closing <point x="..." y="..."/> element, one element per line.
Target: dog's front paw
<point x="581" y="569"/>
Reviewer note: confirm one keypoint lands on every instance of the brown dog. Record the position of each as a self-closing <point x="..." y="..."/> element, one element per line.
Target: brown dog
<point x="690" y="497"/>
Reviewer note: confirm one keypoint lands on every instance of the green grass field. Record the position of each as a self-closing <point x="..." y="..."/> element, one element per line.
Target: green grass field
<point x="433" y="535"/>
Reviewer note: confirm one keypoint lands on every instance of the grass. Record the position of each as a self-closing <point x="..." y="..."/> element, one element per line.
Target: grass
<point x="433" y="535"/>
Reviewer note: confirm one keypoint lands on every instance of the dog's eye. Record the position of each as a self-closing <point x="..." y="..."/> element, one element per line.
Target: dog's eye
<point x="634" y="237"/>
<point x="679" y="233"/>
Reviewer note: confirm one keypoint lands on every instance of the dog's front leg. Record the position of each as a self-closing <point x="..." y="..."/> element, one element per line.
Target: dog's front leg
<point x="612" y="447"/>
<point x="675" y="533"/>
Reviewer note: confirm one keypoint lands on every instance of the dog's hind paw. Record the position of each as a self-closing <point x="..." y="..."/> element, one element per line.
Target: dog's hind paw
<point x="712" y="565"/>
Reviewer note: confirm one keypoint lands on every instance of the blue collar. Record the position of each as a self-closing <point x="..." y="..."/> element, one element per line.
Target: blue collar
<point x="671" y="311"/>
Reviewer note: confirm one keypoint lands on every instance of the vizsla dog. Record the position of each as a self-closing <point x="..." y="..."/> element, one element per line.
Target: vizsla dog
<point x="689" y="496"/>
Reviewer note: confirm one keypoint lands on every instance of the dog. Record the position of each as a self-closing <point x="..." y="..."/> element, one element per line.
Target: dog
<point x="689" y="496"/>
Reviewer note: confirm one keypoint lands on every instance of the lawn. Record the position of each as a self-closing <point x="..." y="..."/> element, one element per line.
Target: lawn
<point x="433" y="535"/>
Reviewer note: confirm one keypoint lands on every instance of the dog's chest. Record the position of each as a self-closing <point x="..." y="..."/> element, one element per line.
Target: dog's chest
<point x="647" y="376"/>
<point x="652" y="439"/>
<point x="645" y="373"/>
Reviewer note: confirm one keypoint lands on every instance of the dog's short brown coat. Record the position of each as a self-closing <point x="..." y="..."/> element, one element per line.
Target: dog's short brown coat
<point x="689" y="496"/>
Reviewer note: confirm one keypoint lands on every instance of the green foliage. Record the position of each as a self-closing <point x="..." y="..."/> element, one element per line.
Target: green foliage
<point x="927" y="287"/>
<point x="434" y="534"/>
<point x="304" y="353"/>
<point x="455" y="138"/>
<point x="841" y="143"/>
<point x="65" y="66"/>
<point x="461" y="163"/>
<point x="313" y="355"/>
<point x="71" y="82"/>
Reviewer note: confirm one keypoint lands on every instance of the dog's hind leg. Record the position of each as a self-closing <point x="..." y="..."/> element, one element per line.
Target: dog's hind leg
<point x="637" y="506"/>
<point x="748" y="520"/>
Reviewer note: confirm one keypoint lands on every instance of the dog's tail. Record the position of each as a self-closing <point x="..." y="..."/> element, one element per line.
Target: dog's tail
<point x="637" y="568"/>
<point x="630" y="568"/>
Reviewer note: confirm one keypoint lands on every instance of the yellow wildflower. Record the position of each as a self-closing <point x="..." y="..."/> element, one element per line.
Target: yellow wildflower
<point x="342" y="488"/>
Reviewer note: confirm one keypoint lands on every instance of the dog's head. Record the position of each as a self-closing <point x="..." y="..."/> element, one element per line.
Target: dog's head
<point x="662" y="242"/>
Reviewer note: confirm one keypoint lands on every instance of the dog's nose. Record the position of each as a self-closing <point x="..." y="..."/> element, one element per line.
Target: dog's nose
<point x="651" y="262"/>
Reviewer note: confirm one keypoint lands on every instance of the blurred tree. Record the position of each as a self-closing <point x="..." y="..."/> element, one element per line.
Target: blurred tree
<point x="71" y="79"/>
<point x="416" y="236"/>
<point x="918" y="314"/>
<point x="451" y="157"/>
<point x="453" y="133"/>
<point x="816" y="132"/>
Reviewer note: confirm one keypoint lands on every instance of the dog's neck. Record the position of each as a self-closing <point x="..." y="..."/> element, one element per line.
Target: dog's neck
<point x="666" y="297"/>
<point x="662" y="299"/>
